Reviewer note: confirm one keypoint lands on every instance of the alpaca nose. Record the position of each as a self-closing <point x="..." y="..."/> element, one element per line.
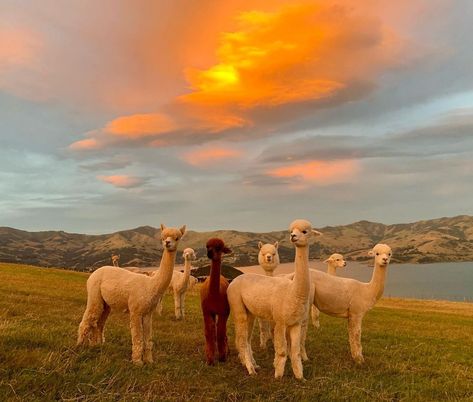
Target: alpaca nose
<point x="168" y="242"/>
<point x="293" y="236"/>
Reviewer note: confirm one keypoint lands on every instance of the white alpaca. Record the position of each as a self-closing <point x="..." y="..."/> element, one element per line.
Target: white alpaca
<point x="180" y="284"/>
<point x="280" y="300"/>
<point x="268" y="259"/>
<point x="334" y="262"/>
<point x="351" y="299"/>
<point x="119" y="289"/>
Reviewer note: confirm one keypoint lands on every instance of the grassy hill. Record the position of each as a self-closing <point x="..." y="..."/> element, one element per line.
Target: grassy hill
<point x="436" y="240"/>
<point x="414" y="350"/>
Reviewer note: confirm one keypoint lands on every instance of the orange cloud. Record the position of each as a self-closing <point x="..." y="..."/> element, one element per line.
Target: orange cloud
<point x="273" y="62"/>
<point x="84" y="145"/>
<point x="318" y="172"/>
<point x="140" y="125"/>
<point x="209" y="156"/>
<point x="122" y="181"/>
<point x="18" y="47"/>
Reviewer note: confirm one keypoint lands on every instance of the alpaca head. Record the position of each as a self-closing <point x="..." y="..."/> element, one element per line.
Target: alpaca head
<point x="189" y="254"/>
<point x="336" y="260"/>
<point x="170" y="237"/>
<point x="268" y="254"/>
<point x="382" y="254"/>
<point x="301" y="231"/>
<point x="215" y="248"/>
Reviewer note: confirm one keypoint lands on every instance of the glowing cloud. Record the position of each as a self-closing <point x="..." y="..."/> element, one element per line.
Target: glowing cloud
<point x="140" y="125"/>
<point x="122" y="181"/>
<point x="84" y="145"/>
<point x="317" y="172"/>
<point x="274" y="66"/>
<point x="209" y="156"/>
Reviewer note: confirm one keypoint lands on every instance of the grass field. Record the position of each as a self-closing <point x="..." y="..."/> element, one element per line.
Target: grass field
<point x="414" y="350"/>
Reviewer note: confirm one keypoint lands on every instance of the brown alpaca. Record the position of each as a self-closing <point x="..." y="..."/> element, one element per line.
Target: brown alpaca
<point x="215" y="307"/>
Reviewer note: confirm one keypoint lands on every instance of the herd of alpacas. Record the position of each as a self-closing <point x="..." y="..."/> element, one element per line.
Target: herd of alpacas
<point x="282" y="304"/>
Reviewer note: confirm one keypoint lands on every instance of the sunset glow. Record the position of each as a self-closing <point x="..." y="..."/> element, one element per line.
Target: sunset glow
<point x="127" y="112"/>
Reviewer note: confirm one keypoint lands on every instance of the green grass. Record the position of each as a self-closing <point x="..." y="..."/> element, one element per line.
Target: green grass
<point x="414" y="350"/>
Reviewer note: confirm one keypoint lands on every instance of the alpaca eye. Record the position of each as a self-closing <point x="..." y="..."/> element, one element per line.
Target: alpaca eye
<point x="304" y="231"/>
<point x="377" y="253"/>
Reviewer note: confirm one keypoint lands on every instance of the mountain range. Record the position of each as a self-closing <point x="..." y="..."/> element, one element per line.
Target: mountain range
<point x="435" y="240"/>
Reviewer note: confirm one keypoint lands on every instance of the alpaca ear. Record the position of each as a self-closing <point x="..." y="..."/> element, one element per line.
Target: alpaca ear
<point x="371" y="253"/>
<point x="260" y="244"/>
<point x="183" y="229"/>
<point x="327" y="260"/>
<point x="316" y="232"/>
<point x="162" y="227"/>
<point x="276" y="245"/>
<point x="226" y="250"/>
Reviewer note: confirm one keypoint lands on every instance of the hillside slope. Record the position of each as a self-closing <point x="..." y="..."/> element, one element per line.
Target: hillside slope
<point x="436" y="240"/>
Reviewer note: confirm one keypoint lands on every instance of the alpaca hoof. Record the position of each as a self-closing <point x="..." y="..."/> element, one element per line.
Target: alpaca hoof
<point x="138" y="363"/>
<point x="148" y="359"/>
<point x="359" y="359"/>
<point x="210" y="363"/>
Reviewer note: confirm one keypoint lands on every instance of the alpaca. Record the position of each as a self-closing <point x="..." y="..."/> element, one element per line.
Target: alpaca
<point x="109" y="288"/>
<point x="277" y="299"/>
<point x="351" y="299"/>
<point x="214" y="303"/>
<point x="115" y="259"/>
<point x="268" y="259"/>
<point x="333" y="262"/>
<point x="180" y="284"/>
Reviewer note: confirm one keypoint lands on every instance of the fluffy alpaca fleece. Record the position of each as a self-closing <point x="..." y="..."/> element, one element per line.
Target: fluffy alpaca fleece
<point x="180" y="284"/>
<point x="334" y="262"/>
<point x="214" y="303"/>
<point x="119" y="289"/>
<point x="351" y="299"/>
<point x="268" y="259"/>
<point x="277" y="299"/>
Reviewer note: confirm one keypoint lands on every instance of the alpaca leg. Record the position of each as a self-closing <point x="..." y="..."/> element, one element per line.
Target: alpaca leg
<point x="264" y="333"/>
<point x="242" y="336"/>
<point x="251" y="324"/>
<point x="315" y="313"/>
<point x="93" y="311"/>
<point x="280" y="349"/>
<point x="295" y="351"/>
<point x="177" y="306"/>
<point x="222" y="340"/>
<point x="159" y="306"/>
<point x="304" y="328"/>
<point x="136" y="326"/>
<point x="148" y="338"/>
<point x="210" y="338"/>
<point x="183" y="299"/>
<point x="101" y="323"/>
<point x="354" y="336"/>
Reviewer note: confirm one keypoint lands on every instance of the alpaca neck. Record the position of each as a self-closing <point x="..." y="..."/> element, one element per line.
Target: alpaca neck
<point x="215" y="266"/>
<point x="187" y="272"/>
<point x="269" y="268"/>
<point x="164" y="275"/>
<point x="331" y="270"/>
<point x="377" y="281"/>
<point x="301" y="277"/>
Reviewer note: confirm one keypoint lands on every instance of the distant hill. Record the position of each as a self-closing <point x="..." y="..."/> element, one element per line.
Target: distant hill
<point x="436" y="240"/>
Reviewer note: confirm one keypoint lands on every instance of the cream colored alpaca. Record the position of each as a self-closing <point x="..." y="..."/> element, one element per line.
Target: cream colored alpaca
<point x="352" y="299"/>
<point x="119" y="289"/>
<point x="115" y="259"/>
<point x="280" y="300"/>
<point x="334" y="262"/>
<point x="180" y="284"/>
<point x="268" y="259"/>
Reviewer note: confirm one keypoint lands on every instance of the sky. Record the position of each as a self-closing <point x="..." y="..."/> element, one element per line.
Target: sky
<point x="234" y="115"/>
